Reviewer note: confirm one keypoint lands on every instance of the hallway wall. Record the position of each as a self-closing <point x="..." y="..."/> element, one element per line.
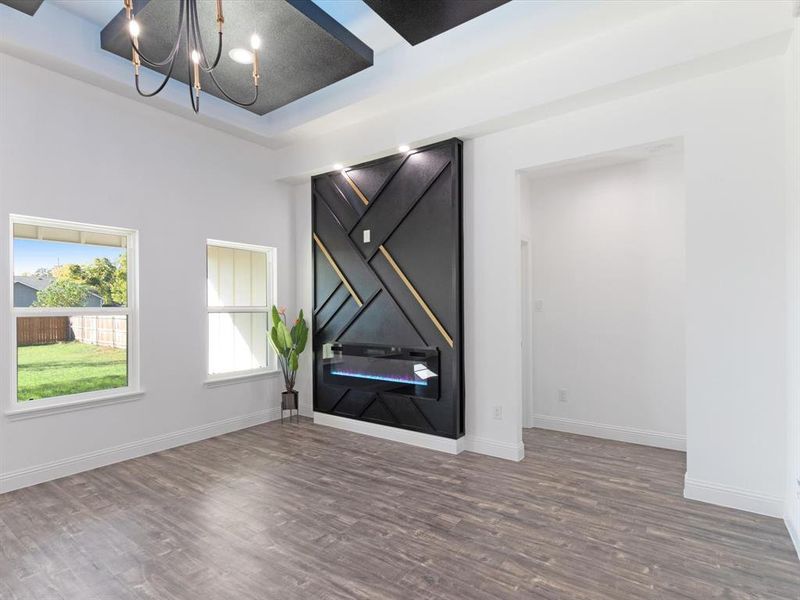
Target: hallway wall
<point x="609" y="276"/>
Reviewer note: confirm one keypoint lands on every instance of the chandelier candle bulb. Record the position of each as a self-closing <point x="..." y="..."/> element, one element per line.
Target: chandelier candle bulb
<point x="255" y="66"/>
<point x="133" y="28"/>
<point x="255" y="44"/>
<point x="196" y="61"/>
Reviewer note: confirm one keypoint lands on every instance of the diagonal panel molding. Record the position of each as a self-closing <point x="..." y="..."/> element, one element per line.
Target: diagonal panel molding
<point x="352" y="184"/>
<point x="410" y="183"/>
<point x="360" y="234"/>
<point x="335" y="267"/>
<point x="416" y="295"/>
<point x="353" y="258"/>
<point x="374" y="178"/>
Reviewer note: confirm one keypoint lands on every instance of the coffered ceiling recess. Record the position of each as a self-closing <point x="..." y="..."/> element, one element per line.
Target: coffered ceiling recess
<point x="29" y="7"/>
<point x="419" y="21"/>
<point x="304" y="49"/>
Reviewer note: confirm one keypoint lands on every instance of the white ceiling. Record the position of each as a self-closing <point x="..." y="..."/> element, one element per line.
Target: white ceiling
<point x="98" y="12"/>
<point x="64" y="35"/>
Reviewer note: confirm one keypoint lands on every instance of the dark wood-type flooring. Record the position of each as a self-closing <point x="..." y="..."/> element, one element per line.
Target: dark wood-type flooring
<point x="304" y="511"/>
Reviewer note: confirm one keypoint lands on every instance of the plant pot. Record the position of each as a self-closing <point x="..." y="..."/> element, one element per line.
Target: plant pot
<point x="289" y="400"/>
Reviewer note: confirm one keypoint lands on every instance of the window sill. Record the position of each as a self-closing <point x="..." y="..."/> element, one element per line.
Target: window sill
<point x="221" y="380"/>
<point x="42" y="410"/>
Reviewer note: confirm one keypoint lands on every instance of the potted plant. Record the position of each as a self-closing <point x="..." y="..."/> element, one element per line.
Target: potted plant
<point x="288" y="344"/>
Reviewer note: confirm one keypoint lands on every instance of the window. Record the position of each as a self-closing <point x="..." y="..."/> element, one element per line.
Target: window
<point x="241" y="291"/>
<point x="73" y="313"/>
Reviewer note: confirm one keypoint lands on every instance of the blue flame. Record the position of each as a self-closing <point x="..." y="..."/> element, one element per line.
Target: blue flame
<point x="378" y="377"/>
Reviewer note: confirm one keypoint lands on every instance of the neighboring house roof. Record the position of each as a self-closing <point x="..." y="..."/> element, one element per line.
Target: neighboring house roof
<point x="40" y="283"/>
<point x="36" y="283"/>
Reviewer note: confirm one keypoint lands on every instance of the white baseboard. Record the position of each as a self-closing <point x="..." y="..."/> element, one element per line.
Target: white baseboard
<point x="632" y="435"/>
<point x="489" y="447"/>
<point x="732" y="497"/>
<point x="508" y="451"/>
<point x="414" y="438"/>
<point x="21" y="478"/>
<point x="794" y="533"/>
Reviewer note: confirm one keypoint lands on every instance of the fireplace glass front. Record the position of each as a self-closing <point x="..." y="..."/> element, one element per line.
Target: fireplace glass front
<point x="389" y="369"/>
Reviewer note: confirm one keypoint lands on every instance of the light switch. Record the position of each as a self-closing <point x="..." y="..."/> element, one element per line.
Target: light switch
<point x="366" y="236"/>
<point x="539" y="305"/>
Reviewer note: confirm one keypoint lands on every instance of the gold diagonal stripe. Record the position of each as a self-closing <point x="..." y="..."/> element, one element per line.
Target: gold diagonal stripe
<point x="336" y="268"/>
<point x="355" y="187"/>
<point x="416" y="295"/>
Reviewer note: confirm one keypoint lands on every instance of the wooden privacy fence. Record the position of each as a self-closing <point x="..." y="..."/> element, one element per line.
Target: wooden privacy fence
<point x="110" y="331"/>
<point x="32" y="331"/>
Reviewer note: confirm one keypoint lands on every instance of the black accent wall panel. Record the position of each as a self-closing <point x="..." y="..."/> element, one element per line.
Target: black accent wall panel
<point x="412" y="206"/>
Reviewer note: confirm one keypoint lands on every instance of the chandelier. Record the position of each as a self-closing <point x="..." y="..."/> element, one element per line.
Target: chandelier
<point x="196" y="58"/>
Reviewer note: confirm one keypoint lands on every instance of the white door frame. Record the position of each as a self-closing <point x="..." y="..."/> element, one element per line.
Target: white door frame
<point x="527" y="332"/>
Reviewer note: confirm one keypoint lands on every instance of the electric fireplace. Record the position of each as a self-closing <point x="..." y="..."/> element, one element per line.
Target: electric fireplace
<point x="388" y="369"/>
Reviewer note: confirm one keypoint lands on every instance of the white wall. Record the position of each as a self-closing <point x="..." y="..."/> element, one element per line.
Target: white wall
<point x="732" y="126"/>
<point x="69" y="150"/>
<point x="304" y="288"/>
<point x="793" y="285"/>
<point x="609" y="275"/>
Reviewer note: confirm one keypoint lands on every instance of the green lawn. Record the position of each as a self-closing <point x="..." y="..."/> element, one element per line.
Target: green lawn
<point x="68" y="368"/>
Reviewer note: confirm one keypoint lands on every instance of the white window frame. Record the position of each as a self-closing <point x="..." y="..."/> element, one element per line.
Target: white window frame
<point x="271" y="370"/>
<point x="57" y="404"/>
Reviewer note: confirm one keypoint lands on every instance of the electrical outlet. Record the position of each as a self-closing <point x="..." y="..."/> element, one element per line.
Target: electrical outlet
<point x="498" y="412"/>
<point x="562" y="395"/>
<point x="367" y="235"/>
<point x="538" y="306"/>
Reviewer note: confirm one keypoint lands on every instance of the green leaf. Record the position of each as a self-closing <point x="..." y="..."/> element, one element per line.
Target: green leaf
<point x="277" y="341"/>
<point x="302" y="336"/>
<point x="287" y="337"/>
<point x="276" y="317"/>
<point x="293" y="362"/>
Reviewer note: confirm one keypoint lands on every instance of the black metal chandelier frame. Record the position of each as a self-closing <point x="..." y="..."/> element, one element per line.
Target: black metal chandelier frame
<point x="188" y="28"/>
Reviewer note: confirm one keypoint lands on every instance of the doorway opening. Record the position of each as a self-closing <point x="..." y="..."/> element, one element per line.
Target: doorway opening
<point x="603" y="340"/>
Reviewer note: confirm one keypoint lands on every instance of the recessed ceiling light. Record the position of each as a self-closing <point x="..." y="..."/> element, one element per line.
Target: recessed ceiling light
<point x="403" y="148"/>
<point x="338" y="167"/>
<point x="241" y="56"/>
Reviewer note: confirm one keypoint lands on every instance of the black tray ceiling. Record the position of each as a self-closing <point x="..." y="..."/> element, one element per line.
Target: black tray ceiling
<point x="420" y="20"/>
<point x="303" y="49"/>
<point x="29" y="7"/>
